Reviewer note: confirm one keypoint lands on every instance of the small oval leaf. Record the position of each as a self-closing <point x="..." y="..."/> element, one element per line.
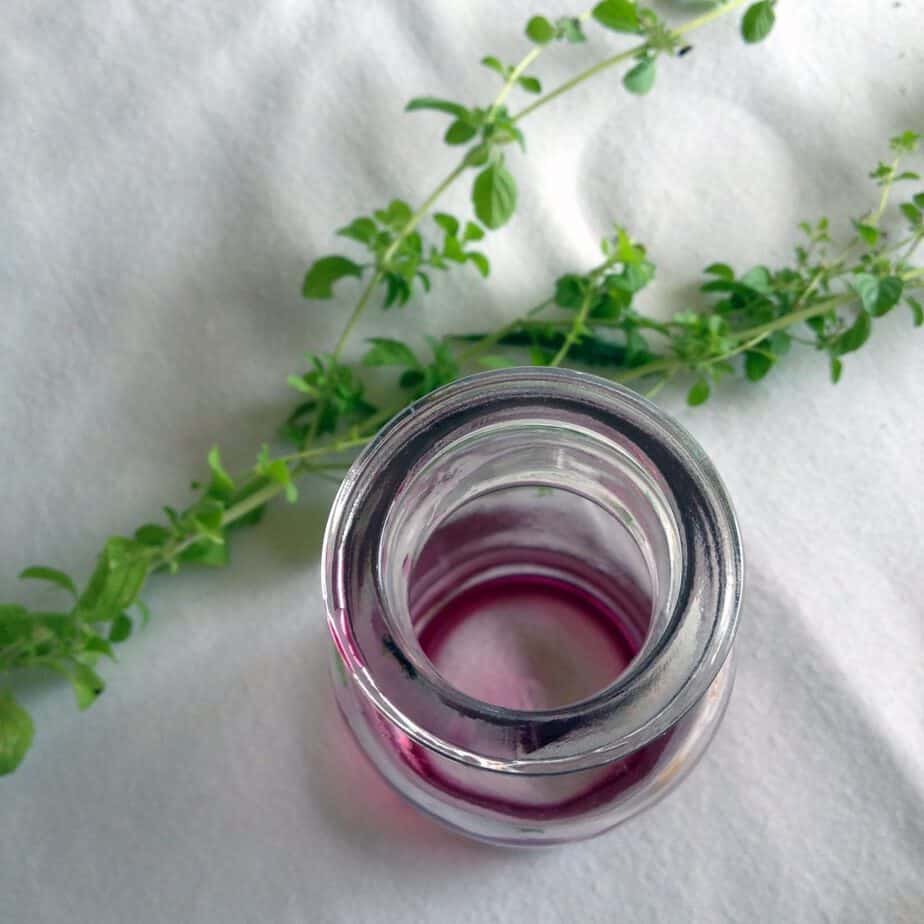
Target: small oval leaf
<point x="540" y="30"/>
<point x="494" y="196"/>
<point x="320" y="278"/>
<point x="641" y="78"/>
<point x="698" y="394"/>
<point x="16" y="733"/>
<point x="52" y="575"/>
<point x="618" y="15"/>
<point x="758" y="21"/>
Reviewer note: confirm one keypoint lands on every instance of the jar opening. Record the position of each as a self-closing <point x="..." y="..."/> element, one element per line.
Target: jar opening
<point x="532" y="596"/>
<point x="532" y="571"/>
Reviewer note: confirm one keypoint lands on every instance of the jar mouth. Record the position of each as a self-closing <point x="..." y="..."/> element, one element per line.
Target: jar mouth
<point x="365" y="568"/>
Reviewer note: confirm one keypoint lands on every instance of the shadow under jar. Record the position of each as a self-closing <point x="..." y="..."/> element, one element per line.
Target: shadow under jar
<point x="532" y="579"/>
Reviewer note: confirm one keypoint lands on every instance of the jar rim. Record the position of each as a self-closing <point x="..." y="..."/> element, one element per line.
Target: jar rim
<point x="640" y="705"/>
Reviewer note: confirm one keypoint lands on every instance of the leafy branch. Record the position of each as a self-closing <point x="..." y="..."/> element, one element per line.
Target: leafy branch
<point x="400" y="259"/>
<point x="749" y="318"/>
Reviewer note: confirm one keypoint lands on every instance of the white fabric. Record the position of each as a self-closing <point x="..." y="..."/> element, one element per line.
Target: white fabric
<point x="167" y="171"/>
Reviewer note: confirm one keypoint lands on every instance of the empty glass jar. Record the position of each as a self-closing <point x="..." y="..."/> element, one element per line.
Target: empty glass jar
<point x="532" y="579"/>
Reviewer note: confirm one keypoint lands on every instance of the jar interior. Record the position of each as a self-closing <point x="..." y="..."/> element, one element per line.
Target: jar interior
<point x="528" y="565"/>
<point x="531" y="596"/>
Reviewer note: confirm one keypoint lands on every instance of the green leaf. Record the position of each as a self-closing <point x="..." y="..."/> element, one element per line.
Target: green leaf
<point x="507" y="130"/>
<point x="98" y="645"/>
<point x="478" y="156"/>
<point x="222" y="485"/>
<point x="883" y="173"/>
<point x="918" y="200"/>
<point x="87" y="684"/>
<point x="618" y="15"/>
<point x="145" y="612"/>
<point x="636" y="346"/>
<point x="641" y="78"/>
<point x="12" y="611"/>
<point x="495" y="65"/>
<point x="206" y="516"/>
<point x="460" y="132"/>
<point x="480" y="261"/>
<point x="855" y="336"/>
<point x="452" y="250"/>
<point x="152" y="534"/>
<point x="121" y="628"/>
<point x="868" y="233"/>
<point x="780" y="342"/>
<point x="890" y="293"/>
<point x="635" y="277"/>
<point x="362" y="229"/>
<point x="206" y="553"/>
<point x="757" y="365"/>
<point x="299" y="384"/>
<point x="387" y="352"/>
<point x="530" y="84"/>
<point x="449" y="223"/>
<point x="540" y="30"/>
<point x="320" y="279"/>
<point x="569" y="28"/>
<point x="837" y="369"/>
<point x="52" y="575"/>
<point x="494" y="196"/>
<point x="758" y="21"/>
<point x="396" y="216"/>
<point x="722" y="270"/>
<point x="277" y="471"/>
<point x="16" y="733"/>
<point x="569" y="291"/>
<point x="758" y="279"/>
<point x="917" y="310"/>
<point x="472" y="232"/>
<point x="699" y="393"/>
<point x="626" y="251"/>
<point x="116" y="581"/>
<point x="912" y="213"/>
<point x="411" y="378"/>
<point x="905" y="143"/>
<point x="438" y="105"/>
<point x="867" y="288"/>
<point x="611" y="305"/>
<point x="397" y="290"/>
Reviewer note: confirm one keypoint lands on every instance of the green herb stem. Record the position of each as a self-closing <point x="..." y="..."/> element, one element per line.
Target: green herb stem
<point x="624" y="56"/>
<point x="425" y="208"/>
<point x="511" y="80"/>
<point x="876" y="216"/>
<point x="577" y="327"/>
<point x="486" y="343"/>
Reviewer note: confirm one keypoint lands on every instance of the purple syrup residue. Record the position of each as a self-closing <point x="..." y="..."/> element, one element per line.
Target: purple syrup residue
<point x="531" y="642"/>
<point x="527" y="641"/>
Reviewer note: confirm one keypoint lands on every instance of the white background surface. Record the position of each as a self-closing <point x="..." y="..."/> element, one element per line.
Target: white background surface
<point x="167" y="171"/>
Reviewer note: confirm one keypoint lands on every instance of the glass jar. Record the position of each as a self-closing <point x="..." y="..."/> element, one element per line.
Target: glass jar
<point x="532" y="579"/>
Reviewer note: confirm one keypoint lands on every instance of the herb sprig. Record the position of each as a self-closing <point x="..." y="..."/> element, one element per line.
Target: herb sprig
<point x="827" y="298"/>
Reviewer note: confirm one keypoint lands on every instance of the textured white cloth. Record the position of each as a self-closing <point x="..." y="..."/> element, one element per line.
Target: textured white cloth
<point x="167" y="171"/>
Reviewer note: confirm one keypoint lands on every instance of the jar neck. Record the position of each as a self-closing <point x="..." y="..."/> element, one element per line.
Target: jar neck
<point x="501" y="431"/>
